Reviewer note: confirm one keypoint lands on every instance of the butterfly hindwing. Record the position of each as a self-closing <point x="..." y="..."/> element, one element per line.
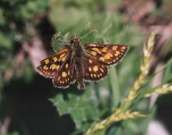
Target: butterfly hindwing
<point x="106" y="53"/>
<point x="53" y="63"/>
<point x="93" y="69"/>
<point x="65" y="76"/>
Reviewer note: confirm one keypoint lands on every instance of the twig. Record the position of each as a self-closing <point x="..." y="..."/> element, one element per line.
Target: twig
<point x="163" y="89"/>
<point x="113" y="118"/>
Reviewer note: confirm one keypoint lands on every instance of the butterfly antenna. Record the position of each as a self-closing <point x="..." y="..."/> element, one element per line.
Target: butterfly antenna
<point x="56" y="37"/>
<point x="59" y="39"/>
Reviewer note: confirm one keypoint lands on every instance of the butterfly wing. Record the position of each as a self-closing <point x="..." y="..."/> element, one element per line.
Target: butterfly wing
<point x="49" y="66"/>
<point x="59" y="67"/>
<point x="65" y="76"/>
<point x="93" y="69"/>
<point x="106" y="53"/>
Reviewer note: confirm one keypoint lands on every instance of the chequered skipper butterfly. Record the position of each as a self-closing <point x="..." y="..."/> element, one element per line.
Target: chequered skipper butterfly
<point x="76" y="63"/>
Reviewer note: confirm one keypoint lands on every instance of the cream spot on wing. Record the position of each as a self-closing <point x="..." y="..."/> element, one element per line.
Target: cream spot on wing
<point x="54" y="66"/>
<point x="54" y="59"/>
<point x="95" y="68"/>
<point x="57" y="66"/>
<point x="108" y="56"/>
<point x="93" y="53"/>
<point x="62" y="55"/>
<point x="93" y="45"/>
<point x="68" y="72"/>
<point x="64" y="74"/>
<point x="90" y="61"/>
<point x="89" y="69"/>
<point x="66" y="65"/>
<point x="114" y="48"/>
<point x="101" y="69"/>
<point x="63" y="59"/>
<point x="123" y="47"/>
<point x="96" y="49"/>
<point x="105" y="49"/>
<point x="91" y="75"/>
<point x="45" y="67"/>
<point x="102" y="59"/>
<point x="46" y="61"/>
<point x="117" y="53"/>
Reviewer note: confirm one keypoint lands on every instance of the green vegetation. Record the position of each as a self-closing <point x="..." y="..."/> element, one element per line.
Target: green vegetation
<point x="117" y="105"/>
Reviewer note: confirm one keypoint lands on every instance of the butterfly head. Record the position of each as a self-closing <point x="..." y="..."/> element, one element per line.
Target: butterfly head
<point x="75" y="41"/>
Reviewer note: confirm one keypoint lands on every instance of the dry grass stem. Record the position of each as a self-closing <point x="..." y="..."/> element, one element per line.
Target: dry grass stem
<point x="140" y="81"/>
<point x="113" y="118"/>
<point x="163" y="89"/>
<point x="148" y="48"/>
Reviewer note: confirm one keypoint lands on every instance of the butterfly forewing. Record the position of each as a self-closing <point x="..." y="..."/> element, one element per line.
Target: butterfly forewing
<point x="53" y="63"/>
<point x="106" y="53"/>
<point x="93" y="69"/>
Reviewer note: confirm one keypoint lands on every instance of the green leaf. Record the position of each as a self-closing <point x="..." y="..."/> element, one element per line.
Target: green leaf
<point x="115" y="87"/>
<point x="168" y="72"/>
<point x="83" y="108"/>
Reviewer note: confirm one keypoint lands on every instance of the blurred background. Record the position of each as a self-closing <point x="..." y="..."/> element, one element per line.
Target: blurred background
<point x="30" y="105"/>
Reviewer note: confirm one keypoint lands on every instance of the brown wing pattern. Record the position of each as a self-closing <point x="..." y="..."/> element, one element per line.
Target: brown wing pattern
<point x="93" y="69"/>
<point x="107" y="54"/>
<point x="53" y="63"/>
<point x="59" y="67"/>
<point x="65" y="76"/>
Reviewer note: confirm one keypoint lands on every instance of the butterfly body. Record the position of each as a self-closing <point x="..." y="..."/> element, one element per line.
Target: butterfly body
<point x="77" y="63"/>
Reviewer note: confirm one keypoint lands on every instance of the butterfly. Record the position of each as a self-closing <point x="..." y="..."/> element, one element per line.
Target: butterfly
<point x="75" y="63"/>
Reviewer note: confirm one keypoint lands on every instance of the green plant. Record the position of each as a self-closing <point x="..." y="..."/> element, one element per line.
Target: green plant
<point x="118" y="105"/>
